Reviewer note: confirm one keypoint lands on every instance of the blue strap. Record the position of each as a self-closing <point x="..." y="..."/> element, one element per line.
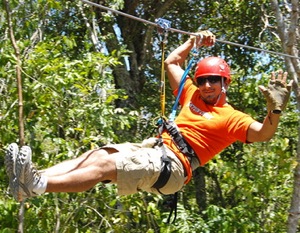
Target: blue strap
<point x="181" y="85"/>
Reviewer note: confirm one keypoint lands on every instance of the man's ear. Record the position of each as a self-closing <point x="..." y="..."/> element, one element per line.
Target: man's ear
<point x="226" y="85"/>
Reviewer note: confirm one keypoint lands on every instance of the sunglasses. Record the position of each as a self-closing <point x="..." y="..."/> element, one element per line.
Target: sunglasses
<point x="211" y="79"/>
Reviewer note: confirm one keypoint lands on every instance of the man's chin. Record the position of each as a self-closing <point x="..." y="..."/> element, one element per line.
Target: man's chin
<point x="210" y="101"/>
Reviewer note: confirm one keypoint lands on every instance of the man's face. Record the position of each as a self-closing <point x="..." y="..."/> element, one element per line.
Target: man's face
<point x="210" y="88"/>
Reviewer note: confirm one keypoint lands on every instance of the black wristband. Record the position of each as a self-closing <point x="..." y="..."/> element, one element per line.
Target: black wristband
<point x="276" y="111"/>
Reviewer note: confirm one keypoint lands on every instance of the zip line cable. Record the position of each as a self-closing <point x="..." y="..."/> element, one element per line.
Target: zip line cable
<point x="184" y="32"/>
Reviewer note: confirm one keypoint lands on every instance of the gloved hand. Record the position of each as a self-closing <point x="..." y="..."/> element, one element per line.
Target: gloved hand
<point x="204" y="38"/>
<point x="277" y="93"/>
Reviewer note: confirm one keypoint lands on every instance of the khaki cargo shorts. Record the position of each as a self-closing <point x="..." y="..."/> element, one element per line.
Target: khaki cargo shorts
<point x="139" y="166"/>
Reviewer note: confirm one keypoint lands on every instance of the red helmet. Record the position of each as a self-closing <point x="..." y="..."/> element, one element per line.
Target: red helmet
<point x="213" y="66"/>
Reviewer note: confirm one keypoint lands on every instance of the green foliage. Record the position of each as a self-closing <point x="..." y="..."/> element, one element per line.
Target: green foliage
<point x="70" y="95"/>
<point x="69" y="107"/>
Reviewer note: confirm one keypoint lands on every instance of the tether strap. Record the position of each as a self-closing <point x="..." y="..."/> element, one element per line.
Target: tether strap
<point x="162" y="81"/>
<point x="181" y="84"/>
<point x="163" y="26"/>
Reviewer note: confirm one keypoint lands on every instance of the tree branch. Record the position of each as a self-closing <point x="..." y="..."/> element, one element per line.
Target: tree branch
<point x="20" y="97"/>
<point x="18" y="71"/>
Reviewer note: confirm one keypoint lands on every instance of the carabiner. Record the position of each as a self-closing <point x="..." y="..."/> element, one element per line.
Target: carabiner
<point x="163" y="26"/>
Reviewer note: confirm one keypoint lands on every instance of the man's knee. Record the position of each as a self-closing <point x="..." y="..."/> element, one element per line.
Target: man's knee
<point x="100" y="152"/>
<point x="109" y="150"/>
<point x="104" y="163"/>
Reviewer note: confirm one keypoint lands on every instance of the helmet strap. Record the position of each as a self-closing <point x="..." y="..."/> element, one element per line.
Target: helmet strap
<point x="223" y="91"/>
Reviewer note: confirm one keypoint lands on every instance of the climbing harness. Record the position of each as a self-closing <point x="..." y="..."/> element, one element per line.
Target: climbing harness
<point x="170" y="126"/>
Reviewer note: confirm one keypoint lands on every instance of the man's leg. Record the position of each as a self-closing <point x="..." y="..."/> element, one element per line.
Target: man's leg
<point x="82" y="173"/>
<point x="75" y="175"/>
<point x="67" y="166"/>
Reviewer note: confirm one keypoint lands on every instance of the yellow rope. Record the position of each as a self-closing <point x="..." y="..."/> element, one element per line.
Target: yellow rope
<point x="163" y="81"/>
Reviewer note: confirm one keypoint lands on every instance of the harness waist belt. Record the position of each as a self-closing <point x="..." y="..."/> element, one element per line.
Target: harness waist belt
<point x="182" y="145"/>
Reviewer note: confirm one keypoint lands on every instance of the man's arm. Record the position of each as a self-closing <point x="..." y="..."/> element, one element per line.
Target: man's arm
<point x="175" y="60"/>
<point x="277" y="95"/>
<point x="260" y="132"/>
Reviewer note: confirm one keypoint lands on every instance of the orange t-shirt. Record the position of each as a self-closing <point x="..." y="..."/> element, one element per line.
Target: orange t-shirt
<point x="208" y="129"/>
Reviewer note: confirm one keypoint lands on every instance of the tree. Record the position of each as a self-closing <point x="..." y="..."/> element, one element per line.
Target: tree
<point x="287" y="21"/>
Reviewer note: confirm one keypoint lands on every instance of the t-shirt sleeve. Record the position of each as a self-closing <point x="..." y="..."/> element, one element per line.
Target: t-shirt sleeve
<point x="238" y="125"/>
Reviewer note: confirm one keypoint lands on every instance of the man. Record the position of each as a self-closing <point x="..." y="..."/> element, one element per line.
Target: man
<point x="205" y="125"/>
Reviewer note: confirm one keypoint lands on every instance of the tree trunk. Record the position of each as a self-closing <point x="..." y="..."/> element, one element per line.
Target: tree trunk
<point x="288" y="35"/>
<point x="200" y="187"/>
<point x="138" y="39"/>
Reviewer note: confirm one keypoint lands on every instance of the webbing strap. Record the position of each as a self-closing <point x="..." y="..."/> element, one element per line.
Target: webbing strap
<point x="165" y="171"/>
<point x="178" y="139"/>
<point x="173" y="206"/>
<point x="181" y="144"/>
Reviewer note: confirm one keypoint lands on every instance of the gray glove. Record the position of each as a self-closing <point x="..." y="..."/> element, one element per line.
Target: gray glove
<point x="204" y="38"/>
<point x="277" y="93"/>
<point x="150" y="142"/>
